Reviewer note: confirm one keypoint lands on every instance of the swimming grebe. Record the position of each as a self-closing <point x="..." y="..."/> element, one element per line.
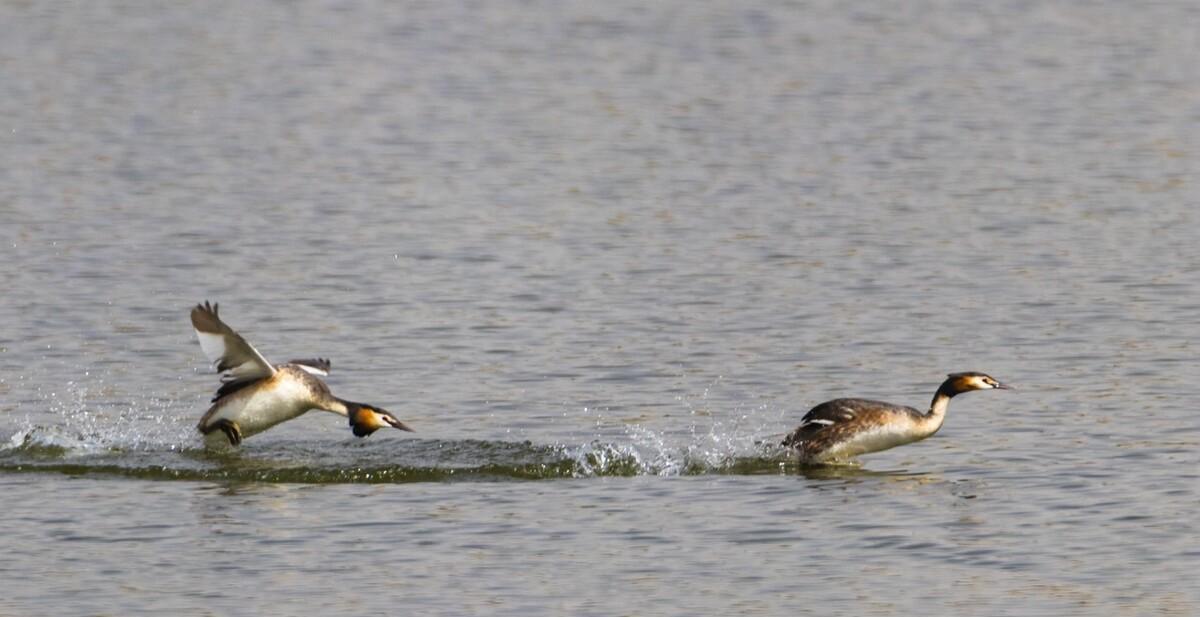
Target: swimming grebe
<point x="256" y="395"/>
<point x="843" y="428"/>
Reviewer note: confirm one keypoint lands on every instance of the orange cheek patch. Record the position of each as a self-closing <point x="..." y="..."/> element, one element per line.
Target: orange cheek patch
<point x="367" y="419"/>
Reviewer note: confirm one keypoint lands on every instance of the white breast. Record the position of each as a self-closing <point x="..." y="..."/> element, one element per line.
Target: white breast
<point x="265" y="405"/>
<point x="874" y="439"/>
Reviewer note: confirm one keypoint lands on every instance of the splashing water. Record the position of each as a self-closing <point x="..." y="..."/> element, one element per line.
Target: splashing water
<point x="89" y="422"/>
<point x="147" y="439"/>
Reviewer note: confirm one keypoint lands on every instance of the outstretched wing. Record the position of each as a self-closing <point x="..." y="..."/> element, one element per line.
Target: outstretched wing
<point x="233" y="356"/>
<point x="316" y="366"/>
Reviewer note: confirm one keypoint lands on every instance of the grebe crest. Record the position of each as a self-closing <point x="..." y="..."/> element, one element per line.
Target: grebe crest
<point x="838" y="430"/>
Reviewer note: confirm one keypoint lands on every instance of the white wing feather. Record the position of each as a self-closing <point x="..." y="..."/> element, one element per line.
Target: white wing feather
<point x="312" y="370"/>
<point x="238" y="359"/>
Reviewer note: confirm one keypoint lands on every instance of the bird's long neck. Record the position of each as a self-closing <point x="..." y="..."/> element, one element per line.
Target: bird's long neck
<point x="334" y="404"/>
<point x="316" y="393"/>
<point x="932" y="420"/>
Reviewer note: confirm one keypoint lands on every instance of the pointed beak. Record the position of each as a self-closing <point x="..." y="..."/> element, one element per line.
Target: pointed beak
<point x="395" y="422"/>
<point x="1004" y="386"/>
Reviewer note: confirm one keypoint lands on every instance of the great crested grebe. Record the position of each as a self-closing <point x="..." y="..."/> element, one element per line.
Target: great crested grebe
<point x="256" y="395"/>
<point x="843" y="428"/>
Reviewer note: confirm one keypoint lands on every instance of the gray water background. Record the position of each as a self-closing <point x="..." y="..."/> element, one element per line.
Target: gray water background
<point x="620" y="246"/>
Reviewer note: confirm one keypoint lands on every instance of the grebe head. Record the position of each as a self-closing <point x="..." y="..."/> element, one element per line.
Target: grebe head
<point x="957" y="383"/>
<point x="366" y="419"/>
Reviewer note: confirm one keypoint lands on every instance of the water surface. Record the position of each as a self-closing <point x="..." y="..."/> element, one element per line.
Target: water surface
<point x="601" y="256"/>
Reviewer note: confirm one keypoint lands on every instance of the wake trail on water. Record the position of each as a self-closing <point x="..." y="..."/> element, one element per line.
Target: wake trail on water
<point x="148" y="439"/>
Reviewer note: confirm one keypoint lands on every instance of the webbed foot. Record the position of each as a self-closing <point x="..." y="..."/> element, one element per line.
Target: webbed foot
<point x="230" y="428"/>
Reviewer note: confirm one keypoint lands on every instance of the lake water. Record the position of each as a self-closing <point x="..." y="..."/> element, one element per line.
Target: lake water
<point x="601" y="256"/>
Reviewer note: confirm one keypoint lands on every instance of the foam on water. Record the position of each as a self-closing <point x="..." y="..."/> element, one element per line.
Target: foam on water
<point x="148" y="437"/>
<point x="89" y="422"/>
<point x="153" y="444"/>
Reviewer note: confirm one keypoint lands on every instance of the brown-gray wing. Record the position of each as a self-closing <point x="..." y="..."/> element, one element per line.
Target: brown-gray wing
<point x="838" y="412"/>
<point x="315" y="366"/>
<point x="231" y="354"/>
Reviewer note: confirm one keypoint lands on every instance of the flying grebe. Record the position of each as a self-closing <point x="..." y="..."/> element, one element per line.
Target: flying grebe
<point x="843" y="428"/>
<point x="256" y="395"/>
